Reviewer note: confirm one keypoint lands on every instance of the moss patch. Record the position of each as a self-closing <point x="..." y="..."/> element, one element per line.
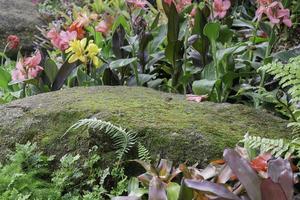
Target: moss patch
<point x="166" y="123"/>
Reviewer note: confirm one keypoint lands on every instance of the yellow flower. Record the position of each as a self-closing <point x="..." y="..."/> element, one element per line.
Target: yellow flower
<point x="92" y="52"/>
<point x="81" y="51"/>
<point x="77" y="47"/>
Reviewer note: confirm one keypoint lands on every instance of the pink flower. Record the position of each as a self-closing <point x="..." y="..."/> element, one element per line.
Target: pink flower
<point x="138" y="3"/>
<point x="274" y="11"/>
<point x="169" y="2"/>
<point x="27" y="68"/>
<point x="19" y="74"/>
<point x="220" y="8"/>
<point x="196" y="98"/>
<point x="13" y="41"/>
<point x="180" y="4"/>
<point x="105" y="25"/>
<point x="61" y="40"/>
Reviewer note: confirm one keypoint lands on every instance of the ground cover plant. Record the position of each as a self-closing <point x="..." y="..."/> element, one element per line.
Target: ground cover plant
<point x="223" y="51"/>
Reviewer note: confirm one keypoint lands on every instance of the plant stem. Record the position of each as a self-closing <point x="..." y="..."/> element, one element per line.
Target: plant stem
<point x="24" y="90"/>
<point x="253" y="41"/>
<point x="4" y="51"/>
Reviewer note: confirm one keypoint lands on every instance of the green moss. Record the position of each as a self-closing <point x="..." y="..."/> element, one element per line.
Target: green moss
<point x="166" y="123"/>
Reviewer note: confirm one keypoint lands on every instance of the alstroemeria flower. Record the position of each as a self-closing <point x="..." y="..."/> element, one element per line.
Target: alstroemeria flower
<point x="61" y="40"/>
<point x="220" y="8"/>
<point x="13" y="41"/>
<point x="27" y="68"/>
<point x="274" y="11"/>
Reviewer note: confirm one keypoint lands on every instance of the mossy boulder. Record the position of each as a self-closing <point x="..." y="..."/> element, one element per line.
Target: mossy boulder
<point x="18" y="17"/>
<point x="167" y="124"/>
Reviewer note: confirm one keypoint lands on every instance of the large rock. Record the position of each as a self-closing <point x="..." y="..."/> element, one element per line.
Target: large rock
<point x="166" y="123"/>
<point x="18" y="17"/>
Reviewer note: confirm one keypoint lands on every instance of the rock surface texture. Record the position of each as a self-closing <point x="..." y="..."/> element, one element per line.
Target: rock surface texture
<point x="166" y="124"/>
<point x="18" y="17"/>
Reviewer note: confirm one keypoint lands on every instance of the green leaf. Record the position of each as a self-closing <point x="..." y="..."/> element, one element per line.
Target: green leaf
<point x="284" y="56"/>
<point x="121" y="63"/>
<point x="50" y="69"/>
<point x="212" y="30"/>
<point x="5" y="78"/>
<point x="203" y="87"/>
<point x="173" y="190"/>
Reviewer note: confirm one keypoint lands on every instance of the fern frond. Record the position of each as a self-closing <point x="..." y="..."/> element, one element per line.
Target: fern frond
<point x="277" y="147"/>
<point x="123" y="140"/>
<point x="288" y="75"/>
<point x="143" y="153"/>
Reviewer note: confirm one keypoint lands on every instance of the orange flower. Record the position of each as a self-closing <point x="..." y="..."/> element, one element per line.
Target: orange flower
<point x="260" y="163"/>
<point x="75" y="26"/>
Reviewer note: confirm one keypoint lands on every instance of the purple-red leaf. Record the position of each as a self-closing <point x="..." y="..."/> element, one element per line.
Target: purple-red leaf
<point x="280" y="171"/>
<point x="271" y="190"/>
<point x="210" y="187"/>
<point x="157" y="190"/>
<point x="242" y="169"/>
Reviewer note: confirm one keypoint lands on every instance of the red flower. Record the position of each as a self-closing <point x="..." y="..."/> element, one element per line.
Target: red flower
<point x="260" y="163"/>
<point x="13" y="41"/>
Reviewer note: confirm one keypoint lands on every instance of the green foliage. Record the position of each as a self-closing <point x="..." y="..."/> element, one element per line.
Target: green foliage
<point x="277" y="147"/>
<point x="23" y="176"/>
<point x="289" y="79"/>
<point x="143" y="153"/>
<point x="123" y="140"/>
<point x="27" y="174"/>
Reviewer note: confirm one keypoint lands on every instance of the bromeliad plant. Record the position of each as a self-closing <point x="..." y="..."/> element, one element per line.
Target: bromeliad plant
<point x="235" y="177"/>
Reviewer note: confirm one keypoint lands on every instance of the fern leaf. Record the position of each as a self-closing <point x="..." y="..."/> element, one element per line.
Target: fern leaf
<point x="123" y="140"/>
<point x="143" y="153"/>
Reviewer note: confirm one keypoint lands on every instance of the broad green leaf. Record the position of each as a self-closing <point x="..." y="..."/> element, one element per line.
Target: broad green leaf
<point x="50" y="69"/>
<point x="5" y="78"/>
<point x="212" y="30"/>
<point x="173" y="190"/>
<point x="121" y="63"/>
<point x="203" y="87"/>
